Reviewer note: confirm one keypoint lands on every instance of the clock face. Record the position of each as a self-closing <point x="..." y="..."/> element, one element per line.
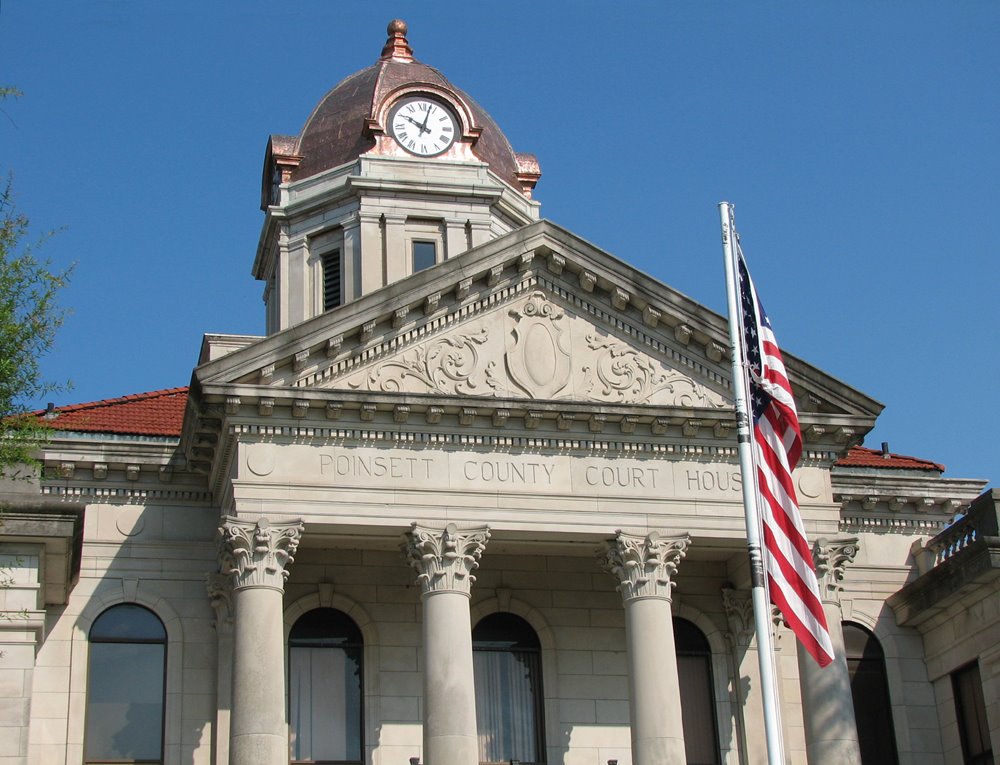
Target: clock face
<point x="422" y="126"/>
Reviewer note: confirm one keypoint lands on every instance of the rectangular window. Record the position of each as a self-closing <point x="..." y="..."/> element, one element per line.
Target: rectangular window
<point x="424" y="254"/>
<point x="331" y="279"/>
<point x="970" y="709"/>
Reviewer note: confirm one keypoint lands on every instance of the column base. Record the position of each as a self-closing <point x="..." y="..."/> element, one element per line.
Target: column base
<point x="258" y="749"/>
<point x="659" y="751"/>
<point x="451" y="750"/>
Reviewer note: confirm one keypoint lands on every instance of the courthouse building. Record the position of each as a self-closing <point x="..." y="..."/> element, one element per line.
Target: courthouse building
<point x="474" y="497"/>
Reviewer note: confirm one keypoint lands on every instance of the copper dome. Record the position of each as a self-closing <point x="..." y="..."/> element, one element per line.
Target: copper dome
<point x="342" y="127"/>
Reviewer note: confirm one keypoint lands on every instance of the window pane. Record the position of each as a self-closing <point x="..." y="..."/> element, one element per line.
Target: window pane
<point x="506" y="694"/>
<point x="423" y="255"/>
<point x="125" y="709"/>
<point x="325" y="688"/>
<point x="694" y="671"/>
<point x="325" y="703"/>
<point x="870" y="693"/>
<point x="506" y="661"/>
<point x="127" y="622"/>
<point x="970" y="708"/>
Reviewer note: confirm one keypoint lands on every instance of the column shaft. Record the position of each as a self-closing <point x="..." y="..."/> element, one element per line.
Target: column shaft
<point x="654" y="688"/>
<point x="827" y="706"/>
<point x="258" y="728"/>
<point x="450" y="736"/>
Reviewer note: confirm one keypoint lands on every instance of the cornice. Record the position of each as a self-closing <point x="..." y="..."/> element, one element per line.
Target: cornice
<point x="905" y="502"/>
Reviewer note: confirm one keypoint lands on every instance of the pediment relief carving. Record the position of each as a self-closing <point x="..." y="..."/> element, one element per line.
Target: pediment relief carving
<point x="537" y="349"/>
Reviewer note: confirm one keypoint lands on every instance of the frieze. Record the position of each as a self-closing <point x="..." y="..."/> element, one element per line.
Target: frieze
<point x="509" y="471"/>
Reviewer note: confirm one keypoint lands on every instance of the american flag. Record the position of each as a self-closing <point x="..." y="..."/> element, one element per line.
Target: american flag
<point x="777" y="446"/>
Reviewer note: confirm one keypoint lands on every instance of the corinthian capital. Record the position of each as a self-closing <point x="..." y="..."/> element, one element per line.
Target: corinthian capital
<point x="444" y="559"/>
<point x="645" y="565"/>
<point x="830" y="557"/>
<point x="258" y="554"/>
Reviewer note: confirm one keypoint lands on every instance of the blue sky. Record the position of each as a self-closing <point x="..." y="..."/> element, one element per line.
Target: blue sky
<point x="857" y="140"/>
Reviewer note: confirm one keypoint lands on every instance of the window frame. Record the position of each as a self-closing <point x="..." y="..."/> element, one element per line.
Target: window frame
<point x="163" y="641"/>
<point x="875" y="659"/>
<point x="359" y="646"/>
<point x="958" y="677"/>
<point x="703" y="652"/>
<point x="539" y="683"/>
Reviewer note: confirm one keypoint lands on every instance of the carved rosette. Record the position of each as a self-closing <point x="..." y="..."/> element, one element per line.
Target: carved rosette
<point x="830" y="557"/>
<point x="258" y="554"/>
<point x="738" y="605"/>
<point x="444" y="559"/>
<point x="220" y="593"/>
<point x="644" y="566"/>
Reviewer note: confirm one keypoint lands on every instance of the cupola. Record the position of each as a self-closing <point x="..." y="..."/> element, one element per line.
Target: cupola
<point x="395" y="170"/>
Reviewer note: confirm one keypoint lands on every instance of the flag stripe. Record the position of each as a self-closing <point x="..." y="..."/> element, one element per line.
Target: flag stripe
<point x="777" y="447"/>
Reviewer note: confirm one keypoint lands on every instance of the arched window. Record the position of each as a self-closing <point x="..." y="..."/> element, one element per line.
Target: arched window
<point x="694" y="670"/>
<point x="325" y="651"/>
<point x="506" y="660"/>
<point x="870" y="691"/>
<point x="126" y="672"/>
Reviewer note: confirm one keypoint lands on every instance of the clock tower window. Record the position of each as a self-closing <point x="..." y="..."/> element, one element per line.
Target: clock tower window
<point x="424" y="254"/>
<point x="331" y="279"/>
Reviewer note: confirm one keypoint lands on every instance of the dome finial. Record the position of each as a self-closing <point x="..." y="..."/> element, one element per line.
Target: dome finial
<point x="397" y="48"/>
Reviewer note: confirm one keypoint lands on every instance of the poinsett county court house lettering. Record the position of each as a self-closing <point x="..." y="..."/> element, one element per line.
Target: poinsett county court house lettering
<point x="367" y="467"/>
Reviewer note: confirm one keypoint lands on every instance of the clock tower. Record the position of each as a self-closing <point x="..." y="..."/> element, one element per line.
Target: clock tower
<point x="395" y="170"/>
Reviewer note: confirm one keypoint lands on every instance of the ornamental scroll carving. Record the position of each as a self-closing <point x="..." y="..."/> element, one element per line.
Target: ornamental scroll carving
<point x="444" y="365"/>
<point x="644" y="566"/>
<point x="621" y="374"/>
<point x="444" y="559"/>
<point x="534" y="349"/>
<point x="258" y="554"/>
<point x="830" y="557"/>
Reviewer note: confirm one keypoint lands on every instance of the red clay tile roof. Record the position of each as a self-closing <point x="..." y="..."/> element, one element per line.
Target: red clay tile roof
<point x="859" y="456"/>
<point x="158" y="413"/>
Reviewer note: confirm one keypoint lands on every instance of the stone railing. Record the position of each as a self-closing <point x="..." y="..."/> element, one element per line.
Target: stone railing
<point x="981" y="521"/>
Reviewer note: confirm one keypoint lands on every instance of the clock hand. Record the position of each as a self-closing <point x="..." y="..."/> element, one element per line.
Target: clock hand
<point x="408" y="117"/>
<point x="423" y="128"/>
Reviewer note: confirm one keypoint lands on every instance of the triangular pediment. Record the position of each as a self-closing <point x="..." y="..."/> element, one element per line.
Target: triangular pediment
<point x="534" y="345"/>
<point x="537" y="314"/>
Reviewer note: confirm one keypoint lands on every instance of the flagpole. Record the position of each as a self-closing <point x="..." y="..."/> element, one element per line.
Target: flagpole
<point x="748" y="469"/>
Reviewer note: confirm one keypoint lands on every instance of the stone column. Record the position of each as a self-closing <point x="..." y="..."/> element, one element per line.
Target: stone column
<point x="444" y="560"/>
<point x="256" y="556"/>
<point x="827" y="707"/>
<point x="644" y="567"/>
